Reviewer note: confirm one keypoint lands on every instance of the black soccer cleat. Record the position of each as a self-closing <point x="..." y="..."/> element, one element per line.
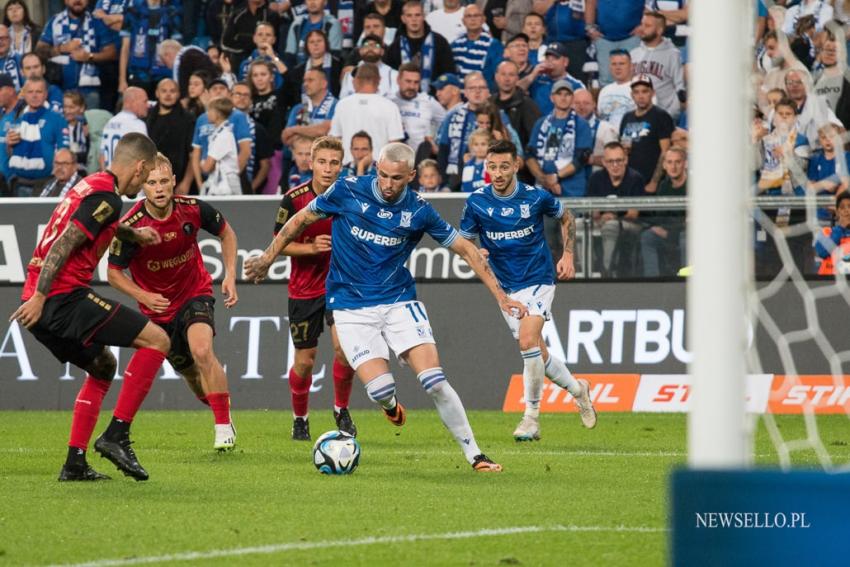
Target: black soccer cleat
<point x="344" y="422"/>
<point x="82" y="472"/>
<point x="121" y="455"/>
<point x="482" y="464"/>
<point x="300" y="429"/>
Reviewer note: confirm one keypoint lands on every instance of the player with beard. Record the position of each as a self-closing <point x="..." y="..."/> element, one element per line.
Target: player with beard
<point x="311" y="254"/>
<point x="170" y="126"/>
<point x="174" y="289"/>
<point x="77" y="325"/>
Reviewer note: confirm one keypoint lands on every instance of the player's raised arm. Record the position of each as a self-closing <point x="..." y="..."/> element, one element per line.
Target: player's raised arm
<point x="257" y="267"/>
<point x="469" y="252"/>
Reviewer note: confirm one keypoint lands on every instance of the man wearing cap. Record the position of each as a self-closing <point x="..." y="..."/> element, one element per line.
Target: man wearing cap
<point x="417" y="43"/>
<point x="521" y="110"/>
<point x="517" y="50"/>
<point x="657" y="57"/>
<point x="565" y="25"/>
<point x="547" y="73"/>
<point x="476" y="50"/>
<point x="557" y="153"/>
<point x="371" y="50"/>
<point x="448" y="90"/>
<point x="645" y="132"/>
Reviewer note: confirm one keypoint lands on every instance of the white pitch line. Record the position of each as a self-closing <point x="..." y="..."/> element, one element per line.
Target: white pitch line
<point x="299" y="546"/>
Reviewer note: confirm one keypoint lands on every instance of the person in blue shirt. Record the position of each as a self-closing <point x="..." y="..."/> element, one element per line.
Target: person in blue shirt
<point x="10" y="62"/>
<point x="612" y="25"/>
<point x="33" y="67"/>
<point x="79" y="43"/>
<point x="507" y="216"/>
<point x="146" y="24"/>
<point x="547" y="73"/>
<point x="472" y="177"/>
<point x="565" y="25"/>
<point x="378" y="221"/>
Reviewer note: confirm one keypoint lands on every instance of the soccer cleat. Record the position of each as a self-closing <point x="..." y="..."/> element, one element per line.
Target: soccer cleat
<point x="585" y="406"/>
<point x="482" y="464"/>
<point x="225" y="437"/>
<point x="344" y="422"/>
<point x="82" y="472"/>
<point x="300" y="429"/>
<point x="396" y="415"/>
<point x="121" y="454"/>
<point x="528" y="429"/>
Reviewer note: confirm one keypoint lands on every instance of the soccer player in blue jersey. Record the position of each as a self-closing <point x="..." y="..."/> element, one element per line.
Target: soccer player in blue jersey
<point x="508" y="218"/>
<point x="378" y="221"/>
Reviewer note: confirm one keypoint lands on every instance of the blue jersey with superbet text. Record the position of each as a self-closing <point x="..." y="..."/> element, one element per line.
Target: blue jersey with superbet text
<point x="372" y="239"/>
<point x="511" y="229"/>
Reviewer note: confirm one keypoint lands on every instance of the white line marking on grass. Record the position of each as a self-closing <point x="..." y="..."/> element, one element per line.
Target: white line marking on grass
<point x="299" y="546"/>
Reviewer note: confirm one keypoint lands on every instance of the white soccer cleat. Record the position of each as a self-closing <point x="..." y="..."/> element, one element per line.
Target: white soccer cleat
<point x="528" y="429"/>
<point x="585" y="406"/>
<point x="225" y="437"/>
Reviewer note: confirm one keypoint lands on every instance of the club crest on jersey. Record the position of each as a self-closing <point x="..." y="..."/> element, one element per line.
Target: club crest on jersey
<point x="169" y="236"/>
<point x="187" y="228"/>
<point x="507" y="211"/>
<point x="364" y="207"/>
<point x="384" y="214"/>
<point x="102" y="212"/>
<point x="490" y="211"/>
<point x="406" y="217"/>
<point x="525" y="211"/>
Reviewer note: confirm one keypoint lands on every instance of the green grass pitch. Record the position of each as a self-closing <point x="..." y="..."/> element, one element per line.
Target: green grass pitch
<point x="577" y="497"/>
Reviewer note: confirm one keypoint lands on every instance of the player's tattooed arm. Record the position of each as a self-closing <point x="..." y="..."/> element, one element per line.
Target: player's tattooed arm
<point x="29" y="312"/>
<point x="144" y="236"/>
<point x="257" y="267"/>
<point x="566" y="268"/>
<point x="469" y="252"/>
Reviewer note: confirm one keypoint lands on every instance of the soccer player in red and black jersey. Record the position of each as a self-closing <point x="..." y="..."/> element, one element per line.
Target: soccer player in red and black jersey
<point x="311" y="256"/>
<point x="76" y="324"/>
<point x="175" y="290"/>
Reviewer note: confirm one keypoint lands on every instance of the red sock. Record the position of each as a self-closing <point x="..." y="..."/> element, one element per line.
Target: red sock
<point x="220" y="404"/>
<point x="138" y="379"/>
<point x="300" y="389"/>
<point x="204" y="400"/>
<point x="343" y="378"/>
<point x="86" y="410"/>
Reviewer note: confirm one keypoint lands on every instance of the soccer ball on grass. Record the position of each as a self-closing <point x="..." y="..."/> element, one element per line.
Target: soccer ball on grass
<point x="336" y="452"/>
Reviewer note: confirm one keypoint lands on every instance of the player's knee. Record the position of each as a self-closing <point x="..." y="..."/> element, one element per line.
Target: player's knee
<point x="202" y="353"/>
<point x="305" y="360"/>
<point x="433" y="380"/>
<point x="156" y="338"/>
<point x="528" y="341"/>
<point x="104" y="366"/>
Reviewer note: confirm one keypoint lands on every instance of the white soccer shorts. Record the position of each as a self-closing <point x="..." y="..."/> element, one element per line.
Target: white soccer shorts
<point x="537" y="299"/>
<point x="370" y="332"/>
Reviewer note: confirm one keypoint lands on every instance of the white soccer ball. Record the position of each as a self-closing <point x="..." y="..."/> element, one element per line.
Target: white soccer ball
<point x="336" y="452"/>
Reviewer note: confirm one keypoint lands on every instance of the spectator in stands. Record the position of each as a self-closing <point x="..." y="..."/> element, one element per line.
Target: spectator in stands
<point x="34" y="138"/>
<point x="803" y="41"/>
<point x="489" y="117"/>
<point x="831" y="85"/>
<point x="301" y="170"/>
<point x="111" y="13"/>
<point x="547" y="73"/>
<point x="319" y="57"/>
<point x="522" y="112"/>
<point x="448" y="21"/>
<point x="619" y="180"/>
<point x="516" y="51"/>
<point x="603" y="132"/>
<point x="367" y="110"/>
<point x="494" y="15"/>
<point x="612" y="25"/>
<point x="33" y="67"/>
<point x="134" y="110"/>
<point x="429" y="179"/>
<point x="421" y="114"/>
<point x="615" y="99"/>
<point x="473" y="176"/>
<point x="447" y="88"/>
<point x="218" y="13"/>
<point x="362" y="160"/>
<point x="833" y="244"/>
<point x="645" y="132"/>
<point x="9" y="105"/>
<point x="147" y="23"/>
<point x="534" y="27"/>
<point x="196" y="102"/>
<point x="662" y="244"/>
<point x="371" y="50"/>
<point x="237" y="40"/>
<point x="79" y="43"/>
<point x="476" y="50"/>
<point x="560" y="146"/>
<point x="264" y="40"/>
<point x="221" y="164"/>
<point x="268" y="108"/>
<point x="170" y="126"/>
<point x="827" y="169"/>
<point x="65" y="175"/>
<point x="657" y="57"/>
<point x="10" y="64"/>
<point x="820" y="10"/>
<point x="374" y="26"/>
<point x="311" y="117"/>
<point x="23" y="32"/>
<point x="415" y="42"/>
<point x="515" y="12"/>
<point x="456" y="128"/>
<point x="261" y="149"/>
<point x="812" y="113"/>
<point x="377" y="17"/>
<point x="315" y="19"/>
<point x="565" y="25"/>
<point x="74" y="111"/>
<point x="214" y="53"/>
<point x="239" y="124"/>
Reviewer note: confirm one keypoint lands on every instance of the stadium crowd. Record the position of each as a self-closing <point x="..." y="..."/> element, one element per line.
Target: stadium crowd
<point x="592" y="92"/>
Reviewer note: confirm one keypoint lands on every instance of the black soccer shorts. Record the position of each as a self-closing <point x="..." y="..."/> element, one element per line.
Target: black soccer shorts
<point x="199" y="309"/>
<point x="307" y="318"/>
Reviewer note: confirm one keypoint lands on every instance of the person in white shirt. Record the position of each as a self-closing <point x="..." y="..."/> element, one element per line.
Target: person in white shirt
<point x="421" y="114"/>
<point x="615" y="98"/>
<point x="371" y="50"/>
<point x="130" y="119"/>
<point x="448" y="22"/>
<point x="221" y="163"/>
<point x="820" y="9"/>
<point x="367" y="110"/>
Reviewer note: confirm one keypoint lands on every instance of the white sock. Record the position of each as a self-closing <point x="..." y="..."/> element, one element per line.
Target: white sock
<point x="533" y="372"/>
<point x="451" y="410"/>
<point x="381" y="390"/>
<point x="558" y="373"/>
